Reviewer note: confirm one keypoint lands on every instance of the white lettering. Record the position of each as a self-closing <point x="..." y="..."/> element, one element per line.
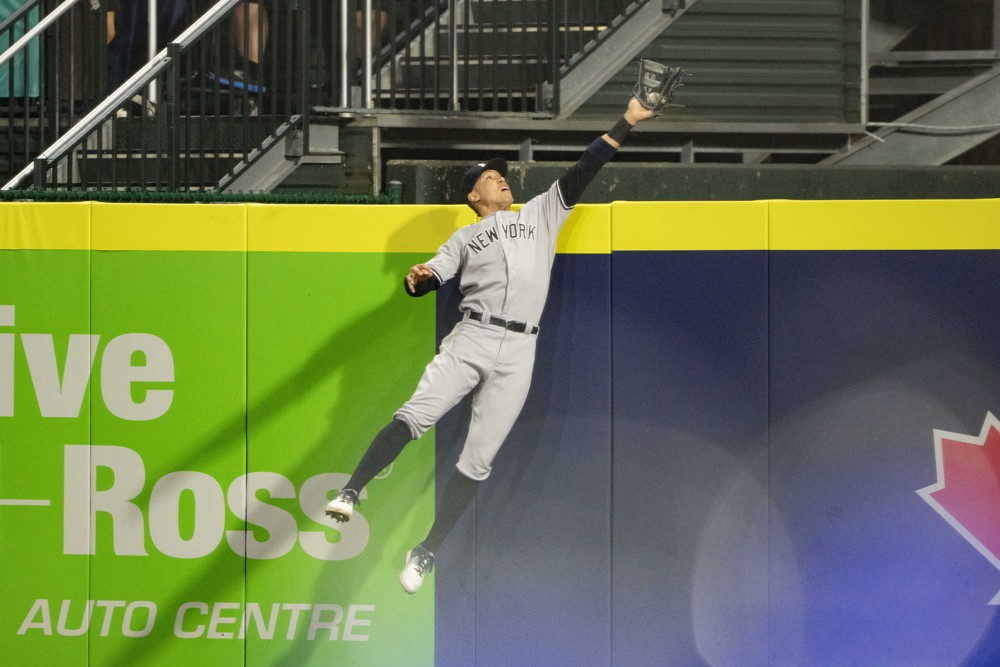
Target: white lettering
<point x="130" y="612"/>
<point x="109" y="606"/>
<point x="44" y="623"/>
<point x="353" y="621"/>
<point x="218" y="619"/>
<point x="165" y="514"/>
<point x="60" y="397"/>
<point x="323" y="619"/>
<point x="84" y="622"/>
<point x="40" y="618"/>
<point x="179" y="630"/>
<point x="83" y="500"/>
<point x="316" y="493"/>
<point x="118" y="373"/>
<point x="128" y="362"/>
<point x="280" y="525"/>
<point x="316" y="621"/>
<point x="293" y="622"/>
<point x="187" y="510"/>
<point x="263" y="631"/>
<point x="195" y="620"/>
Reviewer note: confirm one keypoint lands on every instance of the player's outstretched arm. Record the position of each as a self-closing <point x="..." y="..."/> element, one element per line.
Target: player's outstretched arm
<point x="420" y="280"/>
<point x="574" y="182"/>
<point x="635" y="113"/>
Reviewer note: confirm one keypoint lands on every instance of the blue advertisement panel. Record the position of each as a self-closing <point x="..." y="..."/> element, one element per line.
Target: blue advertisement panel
<point x="690" y="458"/>
<point x="873" y="355"/>
<point x="804" y="436"/>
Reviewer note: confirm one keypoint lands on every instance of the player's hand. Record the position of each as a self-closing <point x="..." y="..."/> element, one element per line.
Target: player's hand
<point x="418" y="273"/>
<point x="636" y="112"/>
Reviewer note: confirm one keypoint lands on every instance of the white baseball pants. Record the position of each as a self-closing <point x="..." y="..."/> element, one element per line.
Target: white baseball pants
<point x="494" y="362"/>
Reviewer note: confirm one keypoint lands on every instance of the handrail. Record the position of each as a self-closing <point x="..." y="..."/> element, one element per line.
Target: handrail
<point x="49" y="19"/>
<point x="18" y="13"/>
<point x="96" y="116"/>
<point x="205" y="22"/>
<point x="124" y="92"/>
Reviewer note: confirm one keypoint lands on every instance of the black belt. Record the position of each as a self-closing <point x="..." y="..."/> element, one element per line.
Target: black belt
<point x="516" y="326"/>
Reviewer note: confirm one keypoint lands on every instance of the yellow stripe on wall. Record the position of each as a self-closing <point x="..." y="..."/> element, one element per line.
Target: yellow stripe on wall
<point x="689" y="225"/>
<point x="952" y="224"/>
<point x="55" y="226"/>
<point x="358" y="228"/>
<point x="408" y="228"/>
<point x="587" y="231"/>
<point x="201" y="227"/>
<point x="592" y="229"/>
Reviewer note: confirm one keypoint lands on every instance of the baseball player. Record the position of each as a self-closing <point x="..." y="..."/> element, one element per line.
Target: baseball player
<point x="503" y="263"/>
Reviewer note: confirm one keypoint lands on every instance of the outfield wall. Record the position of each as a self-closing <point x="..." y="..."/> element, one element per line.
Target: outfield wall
<point x="758" y="433"/>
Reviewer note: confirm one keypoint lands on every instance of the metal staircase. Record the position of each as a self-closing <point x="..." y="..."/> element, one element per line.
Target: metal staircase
<point x="186" y="121"/>
<point x="490" y="56"/>
<point x="933" y="82"/>
<point x="507" y="56"/>
<point x="536" y="56"/>
<point x="775" y="81"/>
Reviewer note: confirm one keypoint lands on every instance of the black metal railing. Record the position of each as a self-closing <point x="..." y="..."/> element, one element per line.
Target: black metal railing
<point x="465" y="55"/>
<point x="393" y="195"/>
<point x="203" y="107"/>
<point x="46" y="86"/>
<point x="200" y="107"/>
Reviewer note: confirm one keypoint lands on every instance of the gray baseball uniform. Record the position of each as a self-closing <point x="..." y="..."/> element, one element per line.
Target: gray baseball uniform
<point x="505" y="261"/>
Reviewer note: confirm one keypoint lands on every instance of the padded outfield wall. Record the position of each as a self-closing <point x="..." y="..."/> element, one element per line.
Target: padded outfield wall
<point x="758" y="433"/>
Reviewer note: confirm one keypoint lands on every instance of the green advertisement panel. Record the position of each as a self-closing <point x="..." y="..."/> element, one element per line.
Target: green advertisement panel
<point x="314" y="402"/>
<point x="45" y="397"/>
<point x="175" y="413"/>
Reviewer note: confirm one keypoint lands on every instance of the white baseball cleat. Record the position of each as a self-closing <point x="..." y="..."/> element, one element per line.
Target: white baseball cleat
<point x="419" y="562"/>
<point x="341" y="508"/>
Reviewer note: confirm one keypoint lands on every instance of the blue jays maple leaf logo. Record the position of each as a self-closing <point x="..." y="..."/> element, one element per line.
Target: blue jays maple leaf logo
<point x="967" y="491"/>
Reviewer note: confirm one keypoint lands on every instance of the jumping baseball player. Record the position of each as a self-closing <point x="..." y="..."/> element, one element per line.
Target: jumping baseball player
<point x="503" y="263"/>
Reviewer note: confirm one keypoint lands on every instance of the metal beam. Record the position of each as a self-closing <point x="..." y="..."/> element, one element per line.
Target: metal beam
<point x="520" y="123"/>
<point x="952" y="57"/>
<point x="281" y="154"/>
<point x="891" y="21"/>
<point x="996" y="24"/>
<point x="937" y="132"/>
<point x="620" y="47"/>
<point x="926" y="84"/>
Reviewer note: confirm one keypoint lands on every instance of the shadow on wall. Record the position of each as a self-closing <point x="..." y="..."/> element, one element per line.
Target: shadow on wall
<point x="360" y="404"/>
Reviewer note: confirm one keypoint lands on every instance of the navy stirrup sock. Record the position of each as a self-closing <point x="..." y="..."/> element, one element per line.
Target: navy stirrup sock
<point x="458" y="494"/>
<point x="384" y="449"/>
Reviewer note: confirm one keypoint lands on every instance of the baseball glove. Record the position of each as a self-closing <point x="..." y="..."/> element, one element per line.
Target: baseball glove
<point x="656" y="85"/>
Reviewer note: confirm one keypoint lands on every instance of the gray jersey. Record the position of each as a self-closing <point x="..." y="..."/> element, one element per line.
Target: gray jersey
<point x="505" y="264"/>
<point x="505" y="259"/>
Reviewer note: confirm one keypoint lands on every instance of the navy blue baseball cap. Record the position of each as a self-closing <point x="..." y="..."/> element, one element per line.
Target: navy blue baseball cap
<point x="472" y="175"/>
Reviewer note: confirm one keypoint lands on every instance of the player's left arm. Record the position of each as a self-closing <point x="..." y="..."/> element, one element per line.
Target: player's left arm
<point x="420" y="280"/>
<point x="599" y="153"/>
<point x="439" y="269"/>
